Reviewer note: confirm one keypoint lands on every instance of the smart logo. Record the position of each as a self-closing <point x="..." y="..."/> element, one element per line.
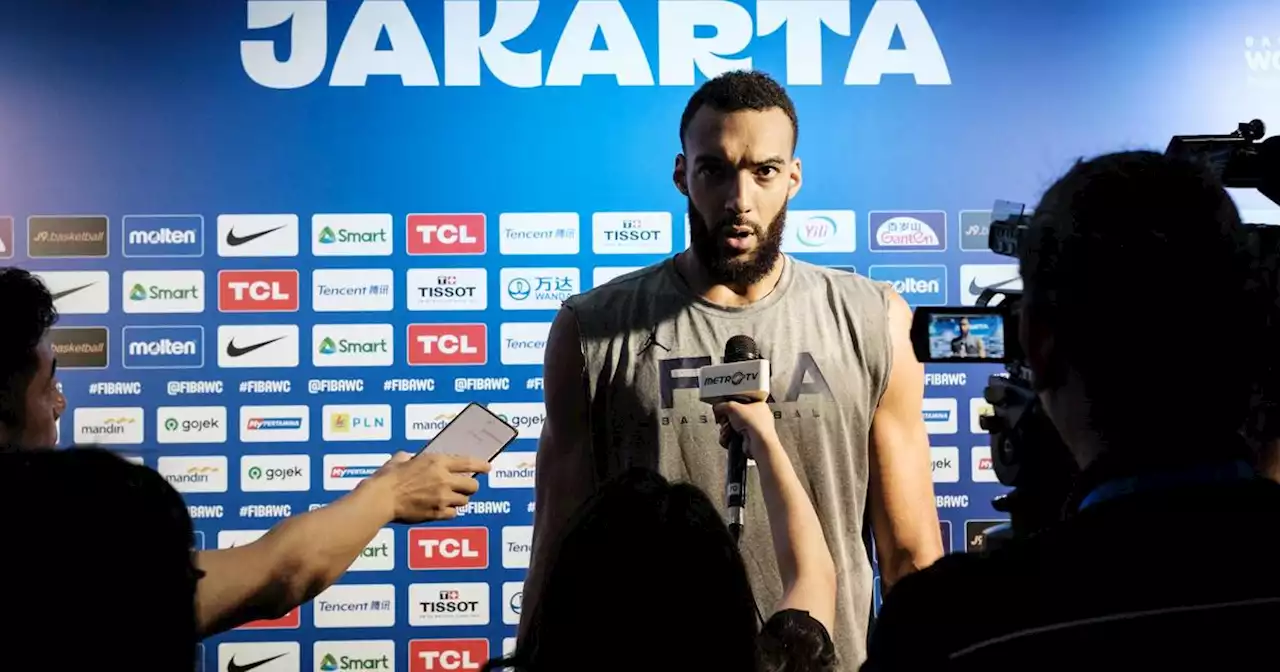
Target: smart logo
<point x="163" y="236"/>
<point x="164" y="291"/>
<point x="922" y="231"/>
<point x="919" y="285"/>
<point x="340" y="656"/>
<point x="353" y="345"/>
<point x="163" y="347"/>
<point x="351" y="235"/>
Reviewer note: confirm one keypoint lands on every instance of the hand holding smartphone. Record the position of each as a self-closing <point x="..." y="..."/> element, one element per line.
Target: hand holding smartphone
<point x="475" y="432"/>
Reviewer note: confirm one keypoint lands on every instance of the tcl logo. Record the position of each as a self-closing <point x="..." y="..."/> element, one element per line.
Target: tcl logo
<point x="448" y="548"/>
<point x="446" y="234"/>
<point x="433" y="655"/>
<point x="448" y="344"/>
<point x="257" y="291"/>
<point x="289" y="621"/>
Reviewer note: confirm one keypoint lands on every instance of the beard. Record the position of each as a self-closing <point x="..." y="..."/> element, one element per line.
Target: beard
<point x="727" y="266"/>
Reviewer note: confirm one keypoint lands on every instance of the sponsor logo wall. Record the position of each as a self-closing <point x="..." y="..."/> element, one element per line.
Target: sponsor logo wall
<point x="331" y="273"/>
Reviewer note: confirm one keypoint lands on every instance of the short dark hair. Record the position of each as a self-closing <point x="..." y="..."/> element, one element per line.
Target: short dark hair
<point x="27" y="307"/>
<point x="1122" y="250"/>
<point x="85" y="525"/>
<point x="646" y="572"/>
<point x="741" y="90"/>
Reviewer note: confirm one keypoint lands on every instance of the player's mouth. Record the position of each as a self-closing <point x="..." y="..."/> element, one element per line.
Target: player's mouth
<point x="739" y="238"/>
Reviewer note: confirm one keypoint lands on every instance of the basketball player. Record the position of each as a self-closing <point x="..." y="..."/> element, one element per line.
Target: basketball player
<point x="621" y="362"/>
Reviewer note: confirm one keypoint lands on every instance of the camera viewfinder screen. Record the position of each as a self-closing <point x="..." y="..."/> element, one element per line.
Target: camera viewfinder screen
<point x="966" y="336"/>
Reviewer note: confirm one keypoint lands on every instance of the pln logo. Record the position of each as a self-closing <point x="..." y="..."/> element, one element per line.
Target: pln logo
<point x="908" y="231"/>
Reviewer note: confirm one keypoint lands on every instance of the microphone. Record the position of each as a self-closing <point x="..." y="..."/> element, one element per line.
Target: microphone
<point x="743" y="377"/>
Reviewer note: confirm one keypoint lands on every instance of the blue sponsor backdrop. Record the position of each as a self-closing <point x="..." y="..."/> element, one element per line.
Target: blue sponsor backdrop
<point x="553" y="136"/>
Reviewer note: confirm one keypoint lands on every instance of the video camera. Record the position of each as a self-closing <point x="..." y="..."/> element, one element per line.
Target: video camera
<point x="1027" y="453"/>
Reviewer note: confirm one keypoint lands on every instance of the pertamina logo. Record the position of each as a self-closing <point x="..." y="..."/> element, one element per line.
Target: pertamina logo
<point x="67" y="237"/>
<point x="345" y="472"/>
<point x="448" y="344"/>
<point x="446" y="234"/>
<point x="923" y="231"/>
<point x="983" y="468"/>
<point x="447" y="655"/>
<point x="448" y="548"/>
<point x="351" y="235"/>
<point x="257" y="291"/>
<point x="275" y="424"/>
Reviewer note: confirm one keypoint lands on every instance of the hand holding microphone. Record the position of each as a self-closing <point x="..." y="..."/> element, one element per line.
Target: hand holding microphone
<point x="742" y="379"/>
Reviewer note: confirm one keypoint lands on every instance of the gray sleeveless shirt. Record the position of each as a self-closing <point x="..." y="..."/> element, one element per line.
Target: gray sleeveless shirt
<point x="825" y="334"/>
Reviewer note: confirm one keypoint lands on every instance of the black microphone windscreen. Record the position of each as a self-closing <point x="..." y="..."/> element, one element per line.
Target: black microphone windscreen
<point x="741" y="349"/>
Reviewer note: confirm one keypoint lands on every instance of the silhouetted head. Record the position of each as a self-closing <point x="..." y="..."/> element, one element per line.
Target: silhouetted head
<point x="738" y="170"/>
<point x="104" y="545"/>
<point x="646" y="577"/>
<point x="30" y="401"/>
<point x="1141" y="320"/>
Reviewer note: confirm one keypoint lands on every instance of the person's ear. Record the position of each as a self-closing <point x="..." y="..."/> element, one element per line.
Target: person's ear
<point x="680" y="175"/>
<point x="796" y="179"/>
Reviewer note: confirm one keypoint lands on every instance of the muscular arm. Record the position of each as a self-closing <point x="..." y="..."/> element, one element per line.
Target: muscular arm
<point x="565" y="475"/>
<point x="292" y="563"/>
<point x="904" y="516"/>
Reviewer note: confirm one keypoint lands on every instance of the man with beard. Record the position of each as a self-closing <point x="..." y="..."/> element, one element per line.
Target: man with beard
<point x="621" y="361"/>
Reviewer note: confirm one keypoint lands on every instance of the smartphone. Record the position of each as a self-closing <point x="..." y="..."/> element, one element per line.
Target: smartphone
<point x="475" y="432"/>
<point x="977" y="334"/>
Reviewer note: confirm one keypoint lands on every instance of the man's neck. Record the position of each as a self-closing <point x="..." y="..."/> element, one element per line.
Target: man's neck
<point x="732" y="296"/>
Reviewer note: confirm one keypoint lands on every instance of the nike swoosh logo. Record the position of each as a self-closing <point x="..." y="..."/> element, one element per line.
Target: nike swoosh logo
<point x="69" y="292"/>
<point x="234" y="240"/>
<point x="976" y="289"/>
<point x="234" y="351"/>
<point x="233" y="667"/>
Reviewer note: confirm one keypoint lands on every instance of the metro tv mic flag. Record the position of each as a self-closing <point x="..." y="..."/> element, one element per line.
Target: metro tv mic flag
<point x="743" y="377"/>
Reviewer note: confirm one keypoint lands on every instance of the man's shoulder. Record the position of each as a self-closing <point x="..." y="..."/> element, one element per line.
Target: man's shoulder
<point x="628" y="284"/>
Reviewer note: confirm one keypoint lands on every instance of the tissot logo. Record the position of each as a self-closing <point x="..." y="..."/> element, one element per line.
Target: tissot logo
<point x="257" y="235"/>
<point x="259" y="657"/>
<point x="51" y="237"/>
<point x="78" y="292"/>
<point x="258" y="346"/>
<point x="433" y="604"/>
<point x="80" y="347"/>
<point x="631" y="233"/>
<point x="447" y="289"/>
<point x="257" y="291"/>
